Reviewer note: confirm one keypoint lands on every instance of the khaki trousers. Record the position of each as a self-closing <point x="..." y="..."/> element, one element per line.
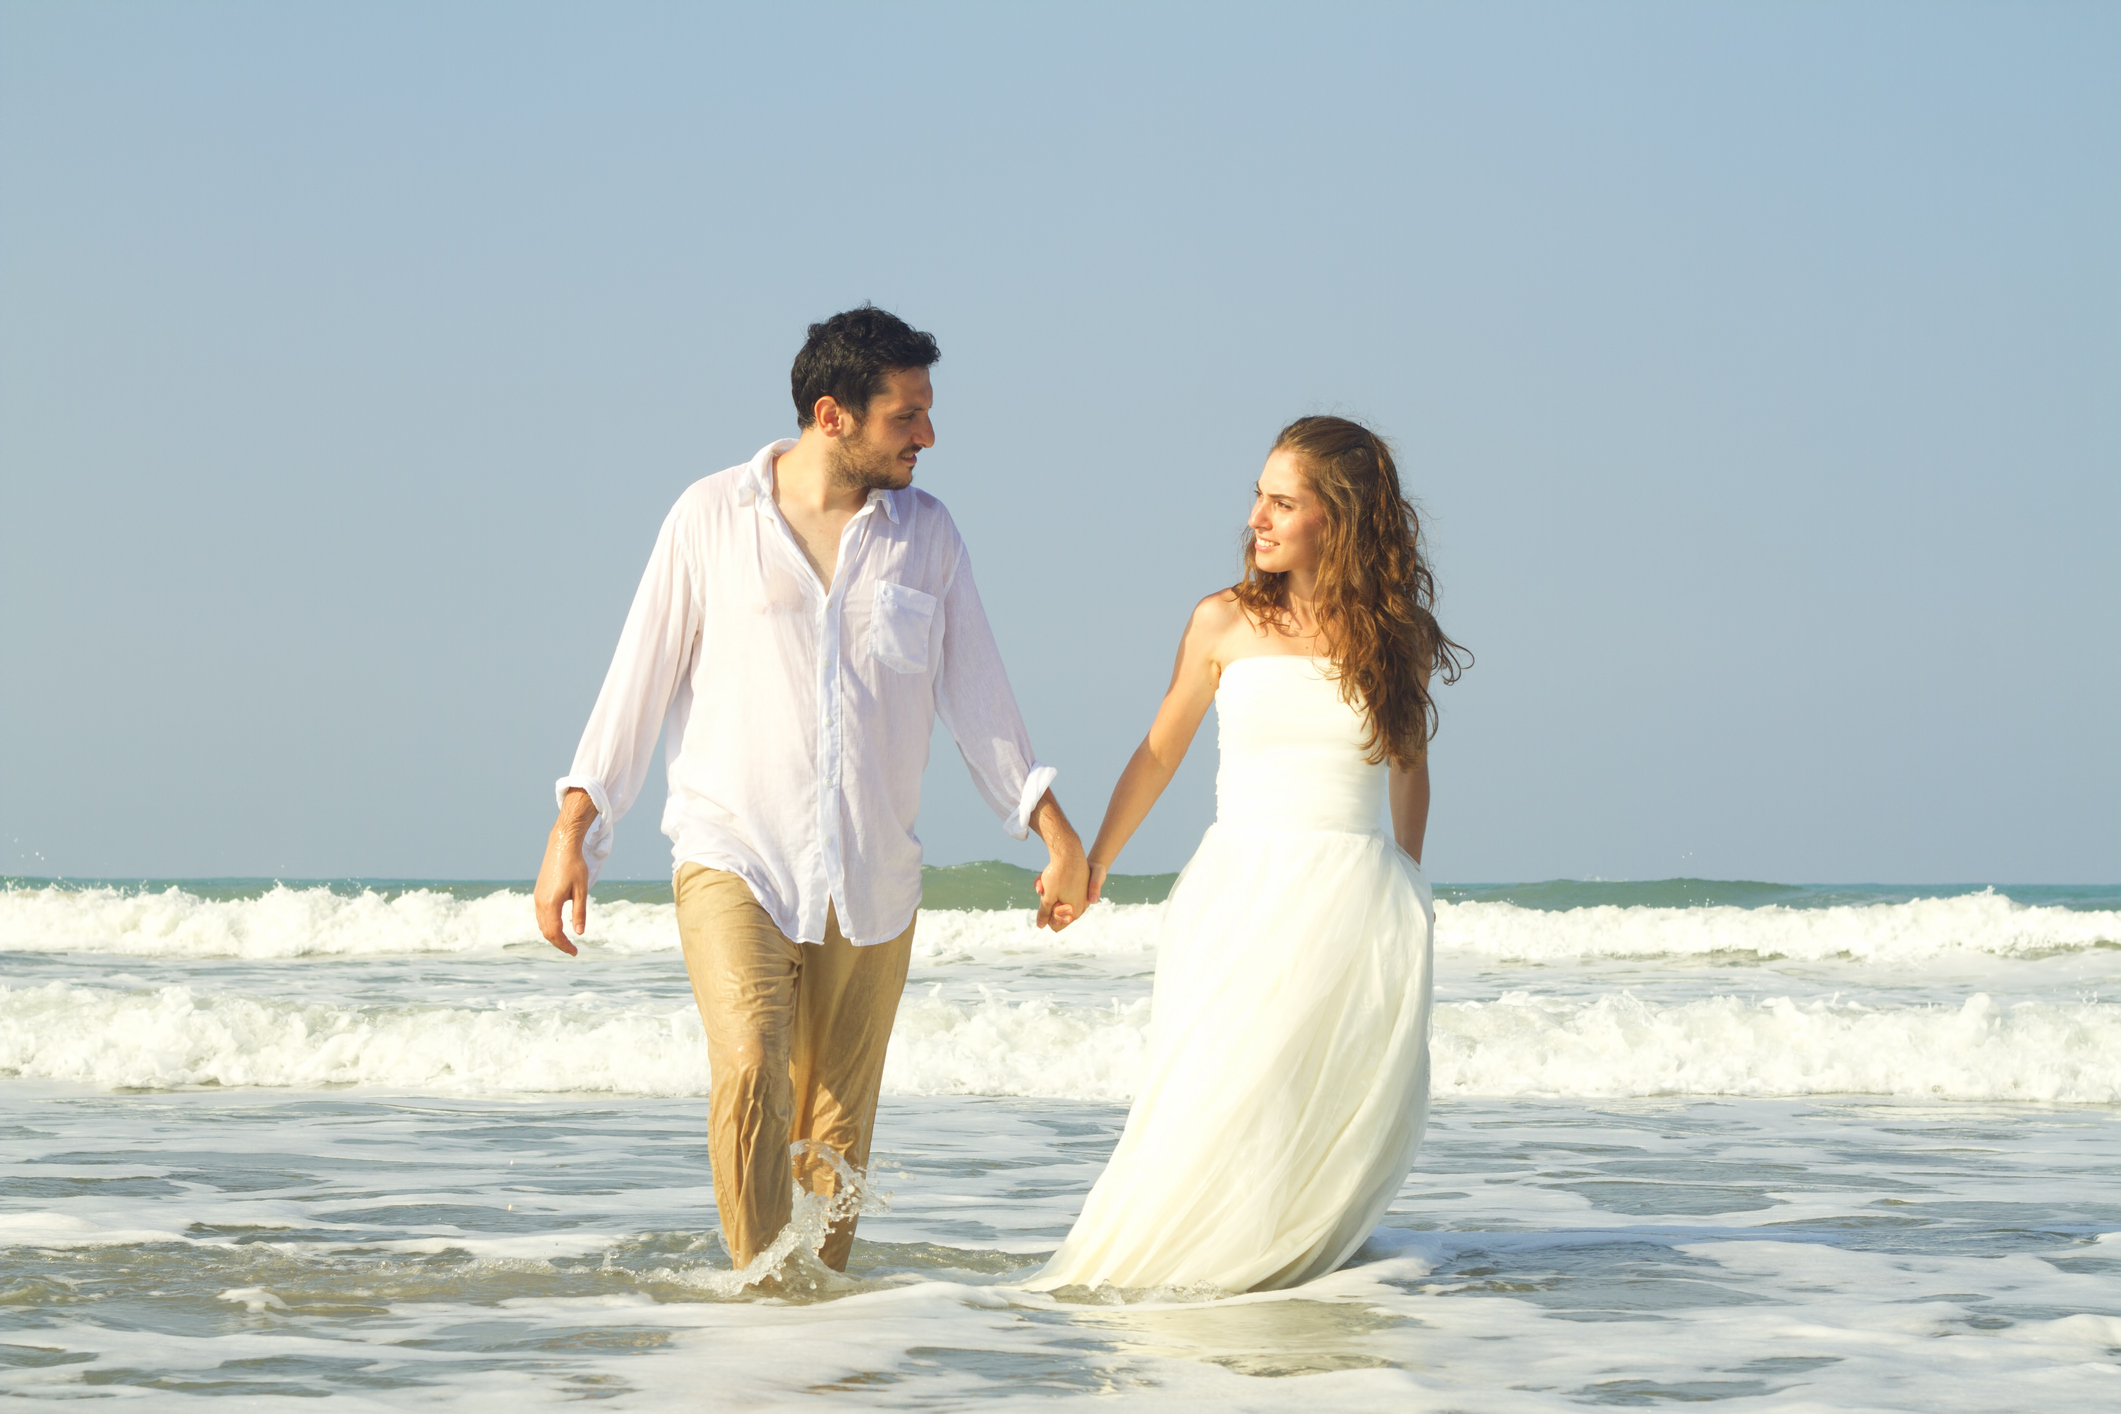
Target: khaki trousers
<point x="796" y="1034"/>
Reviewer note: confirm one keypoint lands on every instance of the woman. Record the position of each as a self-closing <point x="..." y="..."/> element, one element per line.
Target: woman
<point x="1287" y="1078"/>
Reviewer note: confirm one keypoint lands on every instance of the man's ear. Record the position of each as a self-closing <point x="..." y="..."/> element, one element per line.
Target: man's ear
<point x="830" y="418"/>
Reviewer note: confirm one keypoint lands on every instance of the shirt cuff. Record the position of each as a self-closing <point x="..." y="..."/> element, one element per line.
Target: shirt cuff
<point x="596" y="845"/>
<point x="1035" y="787"/>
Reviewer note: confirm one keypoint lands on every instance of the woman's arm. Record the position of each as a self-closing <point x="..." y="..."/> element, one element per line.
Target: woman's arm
<point x="1407" y="793"/>
<point x="1408" y="789"/>
<point x="1155" y="761"/>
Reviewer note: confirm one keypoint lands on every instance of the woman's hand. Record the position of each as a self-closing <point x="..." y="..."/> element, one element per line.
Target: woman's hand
<point x="1097" y="880"/>
<point x="1407" y="788"/>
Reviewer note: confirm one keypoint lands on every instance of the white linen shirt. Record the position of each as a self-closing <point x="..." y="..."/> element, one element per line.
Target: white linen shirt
<point x="796" y="720"/>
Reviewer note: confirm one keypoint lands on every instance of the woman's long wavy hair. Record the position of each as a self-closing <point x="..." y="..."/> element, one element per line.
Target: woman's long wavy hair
<point x="1375" y="590"/>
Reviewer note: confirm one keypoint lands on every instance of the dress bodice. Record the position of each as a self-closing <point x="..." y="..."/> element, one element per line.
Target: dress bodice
<point x="1292" y="750"/>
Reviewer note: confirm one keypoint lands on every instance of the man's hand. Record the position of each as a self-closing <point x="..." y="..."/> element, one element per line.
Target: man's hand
<point x="564" y="876"/>
<point x="1064" y="884"/>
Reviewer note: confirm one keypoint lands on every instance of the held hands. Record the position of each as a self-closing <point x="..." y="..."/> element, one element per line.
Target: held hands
<point x="1064" y="884"/>
<point x="1064" y="890"/>
<point x="1056" y="912"/>
<point x="564" y="876"/>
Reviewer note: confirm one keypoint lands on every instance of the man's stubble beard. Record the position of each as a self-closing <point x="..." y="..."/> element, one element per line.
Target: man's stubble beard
<point x="857" y="466"/>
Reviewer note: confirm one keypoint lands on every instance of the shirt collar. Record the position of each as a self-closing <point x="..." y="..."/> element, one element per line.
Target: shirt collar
<point x="757" y="482"/>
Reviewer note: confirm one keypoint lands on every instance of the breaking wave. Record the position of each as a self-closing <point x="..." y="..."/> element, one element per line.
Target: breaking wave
<point x="1612" y="1045"/>
<point x="286" y="922"/>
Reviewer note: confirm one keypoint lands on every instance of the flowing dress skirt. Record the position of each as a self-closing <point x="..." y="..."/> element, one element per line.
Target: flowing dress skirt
<point x="1287" y="1077"/>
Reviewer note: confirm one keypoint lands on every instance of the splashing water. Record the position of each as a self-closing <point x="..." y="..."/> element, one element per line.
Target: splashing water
<point x="789" y="1267"/>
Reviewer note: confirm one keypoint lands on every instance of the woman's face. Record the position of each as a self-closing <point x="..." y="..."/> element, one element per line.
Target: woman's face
<point x="1288" y="520"/>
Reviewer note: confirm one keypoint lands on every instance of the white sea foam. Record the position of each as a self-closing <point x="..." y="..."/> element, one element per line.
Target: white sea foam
<point x="1610" y="1045"/>
<point x="1883" y="933"/>
<point x="288" y="922"/>
<point x="49" y="1229"/>
<point x="997" y="1046"/>
<point x="315" y="922"/>
<point x="173" y="1036"/>
<point x="965" y="935"/>
<point x="1619" y="1045"/>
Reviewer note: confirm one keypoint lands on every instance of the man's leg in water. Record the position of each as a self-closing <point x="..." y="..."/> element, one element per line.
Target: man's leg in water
<point x="745" y="974"/>
<point x="845" y="1003"/>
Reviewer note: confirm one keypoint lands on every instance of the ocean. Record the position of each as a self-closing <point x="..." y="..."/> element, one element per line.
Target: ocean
<point x="1752" y="1145"/>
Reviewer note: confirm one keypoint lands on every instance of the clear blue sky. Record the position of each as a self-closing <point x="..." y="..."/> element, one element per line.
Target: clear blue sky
<point x="1759" y="367"/>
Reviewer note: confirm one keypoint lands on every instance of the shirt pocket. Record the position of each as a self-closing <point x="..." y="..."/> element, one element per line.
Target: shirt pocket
<point x="898" y="630"/>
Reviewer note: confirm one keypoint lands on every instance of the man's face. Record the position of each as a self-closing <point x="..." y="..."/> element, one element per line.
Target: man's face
<point x="878" y="450"/>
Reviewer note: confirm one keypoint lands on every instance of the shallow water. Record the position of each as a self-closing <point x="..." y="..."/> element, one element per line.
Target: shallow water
<point x="1547" y="1254"/>
<point x="387" y="1149"/>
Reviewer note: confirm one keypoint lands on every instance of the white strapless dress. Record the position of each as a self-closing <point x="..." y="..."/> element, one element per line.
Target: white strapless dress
<point x="1287" y="1076"/>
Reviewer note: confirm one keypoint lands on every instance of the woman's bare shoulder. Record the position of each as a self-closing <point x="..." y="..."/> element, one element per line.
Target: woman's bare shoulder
<point x="1219" y="627"/>
<point x="1220" y="611"/>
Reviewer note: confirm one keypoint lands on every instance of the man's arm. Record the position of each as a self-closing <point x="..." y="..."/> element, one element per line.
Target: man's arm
<point x="618" y="745"/>
<point x="564" y="876"/>
<point x="973" y="698"/>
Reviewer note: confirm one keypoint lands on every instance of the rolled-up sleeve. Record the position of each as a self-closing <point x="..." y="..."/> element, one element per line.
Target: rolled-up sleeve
<point x="973" y="698"/>
<point x="654" y="653"/>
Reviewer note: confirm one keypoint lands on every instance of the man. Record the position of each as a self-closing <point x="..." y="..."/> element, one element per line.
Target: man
<point x="803" y="620"/>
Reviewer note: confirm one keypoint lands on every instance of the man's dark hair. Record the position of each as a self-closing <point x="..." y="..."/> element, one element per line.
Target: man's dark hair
<point x="848" y="357"/>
